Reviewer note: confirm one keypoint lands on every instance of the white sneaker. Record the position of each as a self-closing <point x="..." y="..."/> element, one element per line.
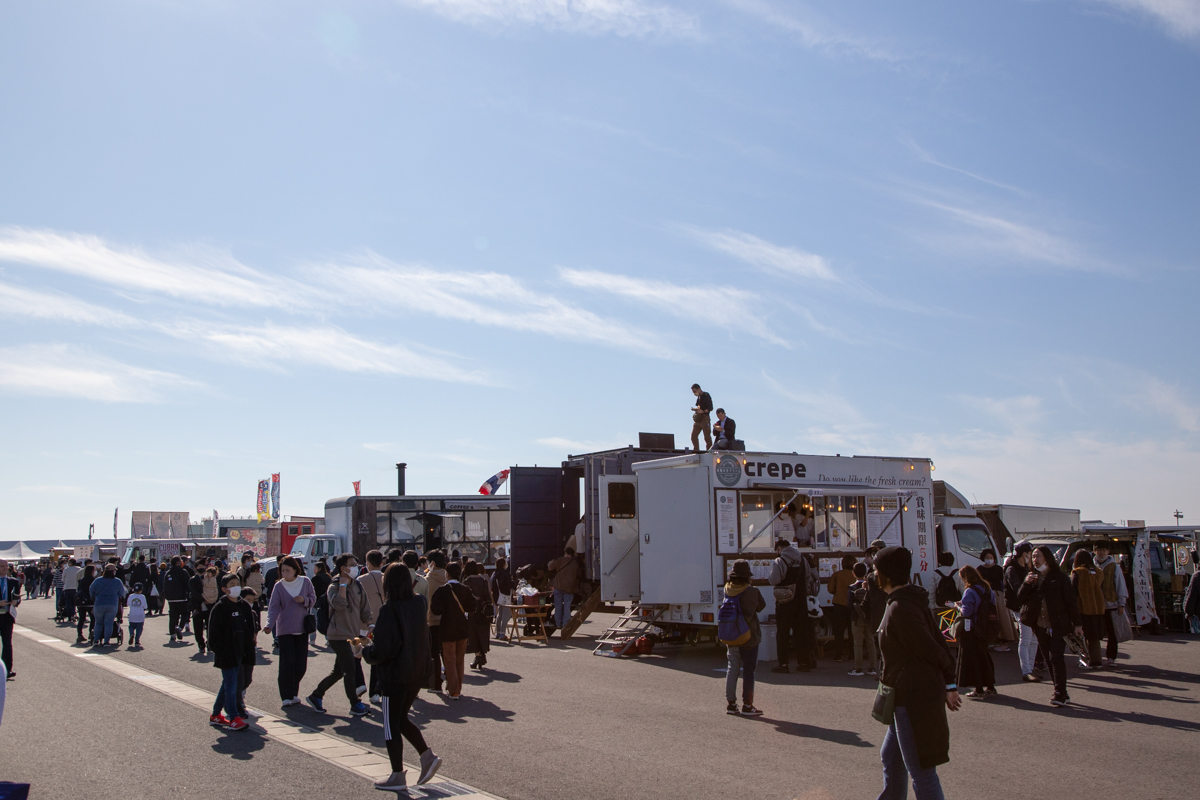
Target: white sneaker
<point x="377" y="699"/>
<point x="287" y="703"/>
<point x="872" y="673"/>
<point x="392" y="783"/>
<point x="429" y="766"/>
<point x="855" y="672"/>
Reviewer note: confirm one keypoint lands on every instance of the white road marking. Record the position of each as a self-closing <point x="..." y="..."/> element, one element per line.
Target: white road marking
<point x="361" y="761"/>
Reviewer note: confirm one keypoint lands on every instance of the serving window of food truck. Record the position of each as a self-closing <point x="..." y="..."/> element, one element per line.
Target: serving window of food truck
<point x="816" y="522"/>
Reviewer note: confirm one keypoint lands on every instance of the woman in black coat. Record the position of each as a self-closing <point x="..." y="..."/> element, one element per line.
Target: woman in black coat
<point x="401" y="655"/>
<point x="918" y="665"/>
<point x="1048" y="606"/>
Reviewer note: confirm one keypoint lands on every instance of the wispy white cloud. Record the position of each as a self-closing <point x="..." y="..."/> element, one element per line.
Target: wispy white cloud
<point x="327" y="346"/>
<point x="1016" y="413"/>
<point x="929" y="158"/>
<point x="486" y="298"/>
<point x="198" y="274"/>
<point x="620" y="17"/>
<point x="733" y="309"/>
<point x="747" y="247"/>
<point x="560" y="444"/>
<point x="1181" y="18"/>
<point x="1014" y="239"/>
<point x="18" y="301"/>
<point x="380" y="447"/>
<point x="800" y="23"/>
<point x="64" y="371"/>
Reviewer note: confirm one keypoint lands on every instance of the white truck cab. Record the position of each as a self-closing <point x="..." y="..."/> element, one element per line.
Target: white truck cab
<point x="312" y="548"/>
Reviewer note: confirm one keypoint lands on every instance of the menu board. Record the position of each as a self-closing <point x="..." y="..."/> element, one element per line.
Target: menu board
<point x="883" y="519"/>
<point x="727" y="521"/>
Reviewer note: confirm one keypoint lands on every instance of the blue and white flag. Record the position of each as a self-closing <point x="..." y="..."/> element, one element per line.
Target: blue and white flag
<point x="493" y="484"/>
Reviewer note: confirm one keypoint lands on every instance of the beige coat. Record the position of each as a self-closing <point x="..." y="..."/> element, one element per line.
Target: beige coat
<point x="372" y="583"/>
<point x="349" y="614"/>
<point x="437" y="578"/>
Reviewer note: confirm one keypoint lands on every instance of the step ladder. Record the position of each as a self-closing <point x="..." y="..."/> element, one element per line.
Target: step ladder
<point x="589" y="605"/>
<point x="635" y="622"/>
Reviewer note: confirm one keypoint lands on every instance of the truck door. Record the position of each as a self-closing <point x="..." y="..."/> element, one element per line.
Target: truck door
<point x="676" y="535"/>
<point x="620" y="573"/>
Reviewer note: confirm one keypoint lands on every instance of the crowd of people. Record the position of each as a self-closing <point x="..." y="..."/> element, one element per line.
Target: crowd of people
<point x="895" y="635"/>
<point x="411" y="619"/>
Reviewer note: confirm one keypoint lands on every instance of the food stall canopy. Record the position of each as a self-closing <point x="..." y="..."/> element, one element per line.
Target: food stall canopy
<point x="21" y="552"/>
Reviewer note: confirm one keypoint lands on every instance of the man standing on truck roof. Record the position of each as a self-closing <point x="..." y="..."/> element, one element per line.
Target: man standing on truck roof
<point x="700" y="419"/>
<point x="1116" y="595"/>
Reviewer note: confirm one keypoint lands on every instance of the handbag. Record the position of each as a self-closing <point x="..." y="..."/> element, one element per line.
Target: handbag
<point x="310" y="624"/>
<point x="884" y="709"/>
<point x="1121" y="626"/>
<point x="1076" y="645"/>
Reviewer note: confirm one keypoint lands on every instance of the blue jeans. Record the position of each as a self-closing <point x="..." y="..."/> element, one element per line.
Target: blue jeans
<point x="227" y="696"/>
<point x="743" y="660"/>
<point x="562" y="608"/>
<point x="135" y="632"/>
<point x="899" y="754"/>
<point x="106" y="622"/>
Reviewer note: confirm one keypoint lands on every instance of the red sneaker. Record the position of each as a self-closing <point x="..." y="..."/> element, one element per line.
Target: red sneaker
<point x="238" y="724"/>
<point x="218" y="720"/>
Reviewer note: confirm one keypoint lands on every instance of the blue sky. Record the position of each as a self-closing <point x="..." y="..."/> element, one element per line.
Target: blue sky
<point x="319" y="238"/>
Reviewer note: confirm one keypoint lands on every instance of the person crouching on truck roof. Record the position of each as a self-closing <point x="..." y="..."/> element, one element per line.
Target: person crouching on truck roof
<point x="726" y="430"/>
<point x="919" y="667"/>
<point x="565" y="584"/>
<point x="743" y="657"/>
<point x="701" y="422"/>
<point x="789" y="579"/>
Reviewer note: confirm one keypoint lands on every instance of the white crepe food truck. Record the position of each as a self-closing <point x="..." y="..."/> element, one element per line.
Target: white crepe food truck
<point x="668" y="533"/>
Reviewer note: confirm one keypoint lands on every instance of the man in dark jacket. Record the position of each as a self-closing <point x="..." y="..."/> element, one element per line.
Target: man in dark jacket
<point x="917" y="664"/>
<point x="153" y="601"/>
<point x="789" y="579"/>
<point x="175" y="592"/>
<point x="199" y="609"/>
<point x="1050" y="607"/>
<point x="140" y="573"/>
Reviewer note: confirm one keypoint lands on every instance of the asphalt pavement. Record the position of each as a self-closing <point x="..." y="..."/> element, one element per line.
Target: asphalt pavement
<point x="555" y="721"/>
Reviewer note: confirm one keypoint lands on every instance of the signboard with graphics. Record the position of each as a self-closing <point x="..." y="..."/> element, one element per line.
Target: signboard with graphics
<point x="1143" y="592"/>
<point x="247" y="540"/>
<point x="883" y="519"/>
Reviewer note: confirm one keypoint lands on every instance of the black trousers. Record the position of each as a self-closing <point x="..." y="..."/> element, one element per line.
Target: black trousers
<point x="396" y="724"/>
<point x="68" y="604"/>
<point x="435" y="640"/>
<point x="1053" y="647"/>
<point x="1110" y="650"/>
<point x="789" y="631"/>
<point x="839" y="622"/>
<point x="6" y="648"/>
<point x="85" y="617"/>
<point x="199" y="622"/>
<point x="345" y="669"/>
<point x="177" y="615"/>
<point x="975" y="667"/>
<point x="293" y="663"/>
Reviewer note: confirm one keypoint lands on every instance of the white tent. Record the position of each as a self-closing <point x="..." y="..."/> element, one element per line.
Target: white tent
<point x="21" y="552"/>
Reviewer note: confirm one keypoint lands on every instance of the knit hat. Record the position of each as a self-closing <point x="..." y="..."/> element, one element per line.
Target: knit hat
<point x="741" y="569"/>
<point x="895" y="563"/>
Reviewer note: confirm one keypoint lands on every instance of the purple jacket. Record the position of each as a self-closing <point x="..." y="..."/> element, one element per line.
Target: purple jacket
<point x="284" y="615"/>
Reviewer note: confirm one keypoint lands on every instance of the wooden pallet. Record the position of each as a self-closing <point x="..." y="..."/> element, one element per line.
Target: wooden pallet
<point x="589" y="605"/>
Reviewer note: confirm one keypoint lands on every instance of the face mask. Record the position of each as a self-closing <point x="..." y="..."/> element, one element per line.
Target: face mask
<point x="354" y="572"/>
<point x="235" y="592"/>
<point x="1043" y="568"/>
<point x="989" y="561"/>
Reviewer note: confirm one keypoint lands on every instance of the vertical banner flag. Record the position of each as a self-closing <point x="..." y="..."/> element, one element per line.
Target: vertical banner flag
<point x="264" y="490"/>
<point x="216" y="529"/>
<point x="275" y="496"/>
<point x="116" y="511"/>
<point x="1143" y="591"/>
<point x="358" y="488"/>
<point x="493" y="484"/>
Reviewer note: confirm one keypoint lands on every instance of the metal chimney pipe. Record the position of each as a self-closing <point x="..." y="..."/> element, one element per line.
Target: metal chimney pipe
<point x="400" y="468"/>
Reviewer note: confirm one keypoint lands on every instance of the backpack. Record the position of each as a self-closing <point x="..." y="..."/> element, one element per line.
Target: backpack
<point x="947" y="590"/>
<point x="732" y="627"/>
<point x="785" y="592"/>
<point x="858" y="601"/>
<point x="985" y="616"/>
